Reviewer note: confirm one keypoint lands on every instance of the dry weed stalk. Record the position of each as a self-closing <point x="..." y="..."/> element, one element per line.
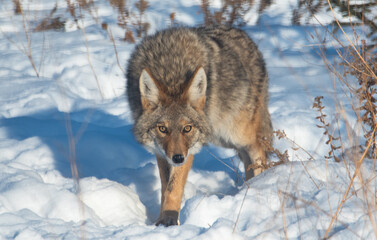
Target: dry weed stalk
<point x="284" y="157"/>
<point x="173" y="22"/>
<point x="75" y="172"/>
<point x="72" y="142"/>
<point x="280" y="134"/>
<point x="363" y="11"/>
<point x="232" y="12"/>
<point x="319" y="209"/>
<point x="50" y="23"/>
<point x="141" y="26"/>
<point x="89" y="58"/>
<point x="366" y="93"/>
<point x="17" y="6"/>
<point x="309" y="6"/>
<point x="326" y="127"/>
<point x="115" y="50"/>
<point x="359" y="62"/>
<point x="27" y="30"/>
<point x="129" y="36"/>
<point x="350" y="185"/>
<point x="123" y="13"/>
<point x="75" y="8"/>
<point x="132" y="21"/>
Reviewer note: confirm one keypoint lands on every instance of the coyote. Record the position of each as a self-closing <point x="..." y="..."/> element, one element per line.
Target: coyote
<point x="190" y="86"/>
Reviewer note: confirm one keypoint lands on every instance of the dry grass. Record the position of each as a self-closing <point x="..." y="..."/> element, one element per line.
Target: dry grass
<point x="26" y="48"/>
<point x="50" y="22"/>
<point x="333" y="153"/>
<point x="359" y="63"/>
<point x="17" y="7"/>
<point x="231" y="12"/>
<point x="132" y="22"/>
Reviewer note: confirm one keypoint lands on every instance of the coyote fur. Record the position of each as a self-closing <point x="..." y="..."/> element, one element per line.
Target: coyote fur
<point x="190" y="86"/>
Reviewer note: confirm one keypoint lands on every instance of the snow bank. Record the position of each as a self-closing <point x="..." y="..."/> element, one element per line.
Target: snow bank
<point x="119" y="186"/>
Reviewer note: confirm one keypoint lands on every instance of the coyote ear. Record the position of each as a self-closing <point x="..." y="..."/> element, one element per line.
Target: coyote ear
<point x="148" y="90"/>
<point x="197" y="89"/>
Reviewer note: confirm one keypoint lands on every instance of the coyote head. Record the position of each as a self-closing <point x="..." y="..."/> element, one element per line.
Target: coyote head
<point x="173" y="124"/>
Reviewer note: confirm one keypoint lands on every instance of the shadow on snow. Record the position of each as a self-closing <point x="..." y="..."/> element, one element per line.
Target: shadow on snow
<point x="105" y="148"/>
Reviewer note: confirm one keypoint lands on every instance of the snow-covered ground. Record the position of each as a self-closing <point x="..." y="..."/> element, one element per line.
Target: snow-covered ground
<point x="80" y="96"/>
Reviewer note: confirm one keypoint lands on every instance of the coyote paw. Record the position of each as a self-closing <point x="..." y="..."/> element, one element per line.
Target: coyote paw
<point x="168" y="218"/>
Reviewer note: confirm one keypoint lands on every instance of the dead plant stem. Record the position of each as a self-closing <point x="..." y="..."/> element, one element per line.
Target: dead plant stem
<point x="351" y="43"/>
<point x="88" y="56"/>
<point x="357" y="170"/>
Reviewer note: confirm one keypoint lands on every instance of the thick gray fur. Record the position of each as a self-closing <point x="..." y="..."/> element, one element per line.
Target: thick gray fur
<point x="236" y="78"/>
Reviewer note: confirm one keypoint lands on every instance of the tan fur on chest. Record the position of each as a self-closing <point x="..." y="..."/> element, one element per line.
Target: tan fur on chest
<point x="238" y="130"/>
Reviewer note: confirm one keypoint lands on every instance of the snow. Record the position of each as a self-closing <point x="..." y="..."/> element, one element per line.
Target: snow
<point x="82" y="88"/>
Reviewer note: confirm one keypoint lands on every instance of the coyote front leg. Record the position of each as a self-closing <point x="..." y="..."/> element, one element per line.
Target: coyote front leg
<point x="173" y="180"/>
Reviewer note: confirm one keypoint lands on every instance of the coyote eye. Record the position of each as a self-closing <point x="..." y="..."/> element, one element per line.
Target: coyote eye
<point x="187" y="129"/>
<point x="163" y="129"/>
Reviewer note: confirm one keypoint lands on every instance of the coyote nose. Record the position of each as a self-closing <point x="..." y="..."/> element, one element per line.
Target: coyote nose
<point x="178" y="158"/>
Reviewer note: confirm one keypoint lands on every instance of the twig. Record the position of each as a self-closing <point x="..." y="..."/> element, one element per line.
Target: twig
<point x="239" y="212"/>
<point x="115" y="50"/>
<point x="88" y="56"/>
<point x="358" y="165"/>
<point x="351" y="43"/>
